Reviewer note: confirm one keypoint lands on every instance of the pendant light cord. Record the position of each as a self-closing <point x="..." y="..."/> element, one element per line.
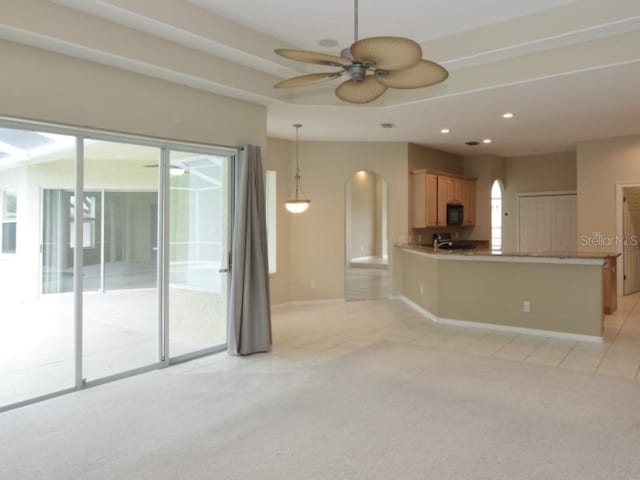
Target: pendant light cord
<point x="297" y="179"/>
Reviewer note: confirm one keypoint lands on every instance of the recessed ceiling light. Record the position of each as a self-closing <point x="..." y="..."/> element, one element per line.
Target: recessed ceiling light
<point x="486" y="140"/>
<point x="387" y="125"/>
<point x="508" y="115"/>
<point x="445" y="130"/>
<point x="328" y="42"/>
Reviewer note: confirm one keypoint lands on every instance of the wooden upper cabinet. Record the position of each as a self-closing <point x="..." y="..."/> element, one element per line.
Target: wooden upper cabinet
<point x="424" y="187"/>
<point x="432" y="191"/>
<point x="469" y="202"/>
<point x="431" y="200"/>
<point x="443" y="199"/>
<point x="458" y="189"/>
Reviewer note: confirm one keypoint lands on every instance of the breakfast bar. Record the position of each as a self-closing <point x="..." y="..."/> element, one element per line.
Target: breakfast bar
<point x="551" y="294"/>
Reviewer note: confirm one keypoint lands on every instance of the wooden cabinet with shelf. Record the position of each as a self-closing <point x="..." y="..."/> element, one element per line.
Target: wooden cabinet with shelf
<point x="432" y="191"/>
<point x="469" y="202"/>
<point x="444" y="187"/>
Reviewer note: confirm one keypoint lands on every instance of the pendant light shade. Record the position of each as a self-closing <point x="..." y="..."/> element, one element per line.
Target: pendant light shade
<point x="298" y="202"/>
<point x="297" y="206"/>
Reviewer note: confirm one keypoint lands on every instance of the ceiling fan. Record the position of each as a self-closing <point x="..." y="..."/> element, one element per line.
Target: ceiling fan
<point x="372" y="65"/>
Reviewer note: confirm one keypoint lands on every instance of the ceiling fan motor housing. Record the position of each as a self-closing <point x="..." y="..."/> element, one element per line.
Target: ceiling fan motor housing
<point x="357" y="72"/>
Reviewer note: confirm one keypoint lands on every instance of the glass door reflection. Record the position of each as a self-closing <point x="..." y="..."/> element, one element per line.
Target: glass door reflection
<point x="121" y="315"/>
<point x="37" y="177"/>
<point x="198" y="246"/>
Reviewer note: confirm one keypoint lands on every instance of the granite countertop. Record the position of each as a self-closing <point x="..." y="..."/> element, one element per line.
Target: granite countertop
<point x="487" y="252"/>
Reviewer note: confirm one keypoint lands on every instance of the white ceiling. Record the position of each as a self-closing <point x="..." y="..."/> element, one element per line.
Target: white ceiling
<point x="305" y="23"/>
<point x="567" y="69"/>
<point x="551" y="115"/>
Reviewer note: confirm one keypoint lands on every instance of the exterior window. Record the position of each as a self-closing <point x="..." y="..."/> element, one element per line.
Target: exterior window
<point x="9" y="206"/>
<point x="496" y="215"/>
<point x="88" y="224"/>
<point x="271" y="208"/>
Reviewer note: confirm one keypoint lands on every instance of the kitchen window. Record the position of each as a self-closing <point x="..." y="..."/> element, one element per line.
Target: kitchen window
<point x="496" y="215"/>
<point x="9" y="206"/>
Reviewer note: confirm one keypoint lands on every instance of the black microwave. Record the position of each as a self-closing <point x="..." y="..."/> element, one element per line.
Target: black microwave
<point x="455" y="214"/>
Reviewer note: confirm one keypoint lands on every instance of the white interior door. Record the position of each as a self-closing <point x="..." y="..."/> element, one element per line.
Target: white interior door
<point x="631" y="250"/>
<point x="547" y="223"/>
<point x="535" y="224"/>
<point x="563" y="232"/>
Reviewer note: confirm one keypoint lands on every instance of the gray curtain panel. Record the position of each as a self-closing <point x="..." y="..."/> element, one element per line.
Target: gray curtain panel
<point x="249" y="320"/>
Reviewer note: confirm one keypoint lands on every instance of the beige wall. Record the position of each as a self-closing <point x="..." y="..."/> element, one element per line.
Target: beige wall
<point x="363" y="215"/>
<point x="382" y="240"/>
<point x="534" y="173"/>
<point x="279" y="157"/>
<point x="601" y="165"/>
<point x="318" y="236"/>
<point x="421" y="157"/>
<point x="46" y="86"/>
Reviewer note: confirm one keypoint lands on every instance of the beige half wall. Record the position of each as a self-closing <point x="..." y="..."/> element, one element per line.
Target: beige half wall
<point x="565" y="295"/>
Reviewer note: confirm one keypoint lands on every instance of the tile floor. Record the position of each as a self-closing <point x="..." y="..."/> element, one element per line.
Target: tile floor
<point x="311" y="333"/>
<point x="367" y="283"/>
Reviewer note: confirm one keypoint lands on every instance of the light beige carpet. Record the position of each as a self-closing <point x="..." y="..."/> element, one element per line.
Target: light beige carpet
<point x="387" y="411"/>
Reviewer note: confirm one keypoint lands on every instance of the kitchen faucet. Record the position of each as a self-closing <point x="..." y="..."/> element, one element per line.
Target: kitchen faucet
<point x="437" y="244"/>
<point x="441" y="240"/>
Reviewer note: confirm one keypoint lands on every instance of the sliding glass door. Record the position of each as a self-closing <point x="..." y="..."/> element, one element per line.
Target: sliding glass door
<point x="198" y="249"/>
<point x="113" y="258"/>
<point x="120" y="261"/>
<point x="36" y="331"/>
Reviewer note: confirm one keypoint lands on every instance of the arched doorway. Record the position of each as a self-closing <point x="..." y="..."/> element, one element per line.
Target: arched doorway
<point x="366" y="237"/>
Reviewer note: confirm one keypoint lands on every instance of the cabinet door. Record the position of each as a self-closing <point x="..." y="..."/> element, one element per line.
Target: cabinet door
<point x="431" y="200"/>
<point x="443" y="199"/>
<point x="418" y="200"/>
<point x="458" y="190"/>
<point x="469" y="202"/>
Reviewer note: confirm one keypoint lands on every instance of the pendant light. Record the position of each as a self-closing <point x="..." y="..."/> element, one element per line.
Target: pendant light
<point x="298" y="203"/>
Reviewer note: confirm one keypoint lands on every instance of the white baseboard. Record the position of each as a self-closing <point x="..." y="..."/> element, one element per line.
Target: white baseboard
<point x="309" y="302"/>
<point x="502" y="328"/>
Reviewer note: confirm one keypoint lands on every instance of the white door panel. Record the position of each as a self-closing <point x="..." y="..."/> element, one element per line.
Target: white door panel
<point x="631" y="260"/>
<point x="547" y="223"/>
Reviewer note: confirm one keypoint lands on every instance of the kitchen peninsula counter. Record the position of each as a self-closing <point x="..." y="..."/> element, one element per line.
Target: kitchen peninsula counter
<point x="597" y="257"/>
<point x="561" y="291"/>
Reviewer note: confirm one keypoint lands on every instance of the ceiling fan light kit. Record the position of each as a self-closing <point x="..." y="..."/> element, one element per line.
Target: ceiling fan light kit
<point x="372" y="65"/>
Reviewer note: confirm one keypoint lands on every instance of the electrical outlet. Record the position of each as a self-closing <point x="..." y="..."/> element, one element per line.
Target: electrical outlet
<point x="421" y="289"/>
<point x="313" y="284"/>
<point x="526" y="307"/>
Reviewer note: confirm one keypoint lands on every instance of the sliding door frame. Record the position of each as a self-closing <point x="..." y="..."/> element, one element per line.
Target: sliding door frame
<point x="165" y="146"/>
<point x="232" y="158"/>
